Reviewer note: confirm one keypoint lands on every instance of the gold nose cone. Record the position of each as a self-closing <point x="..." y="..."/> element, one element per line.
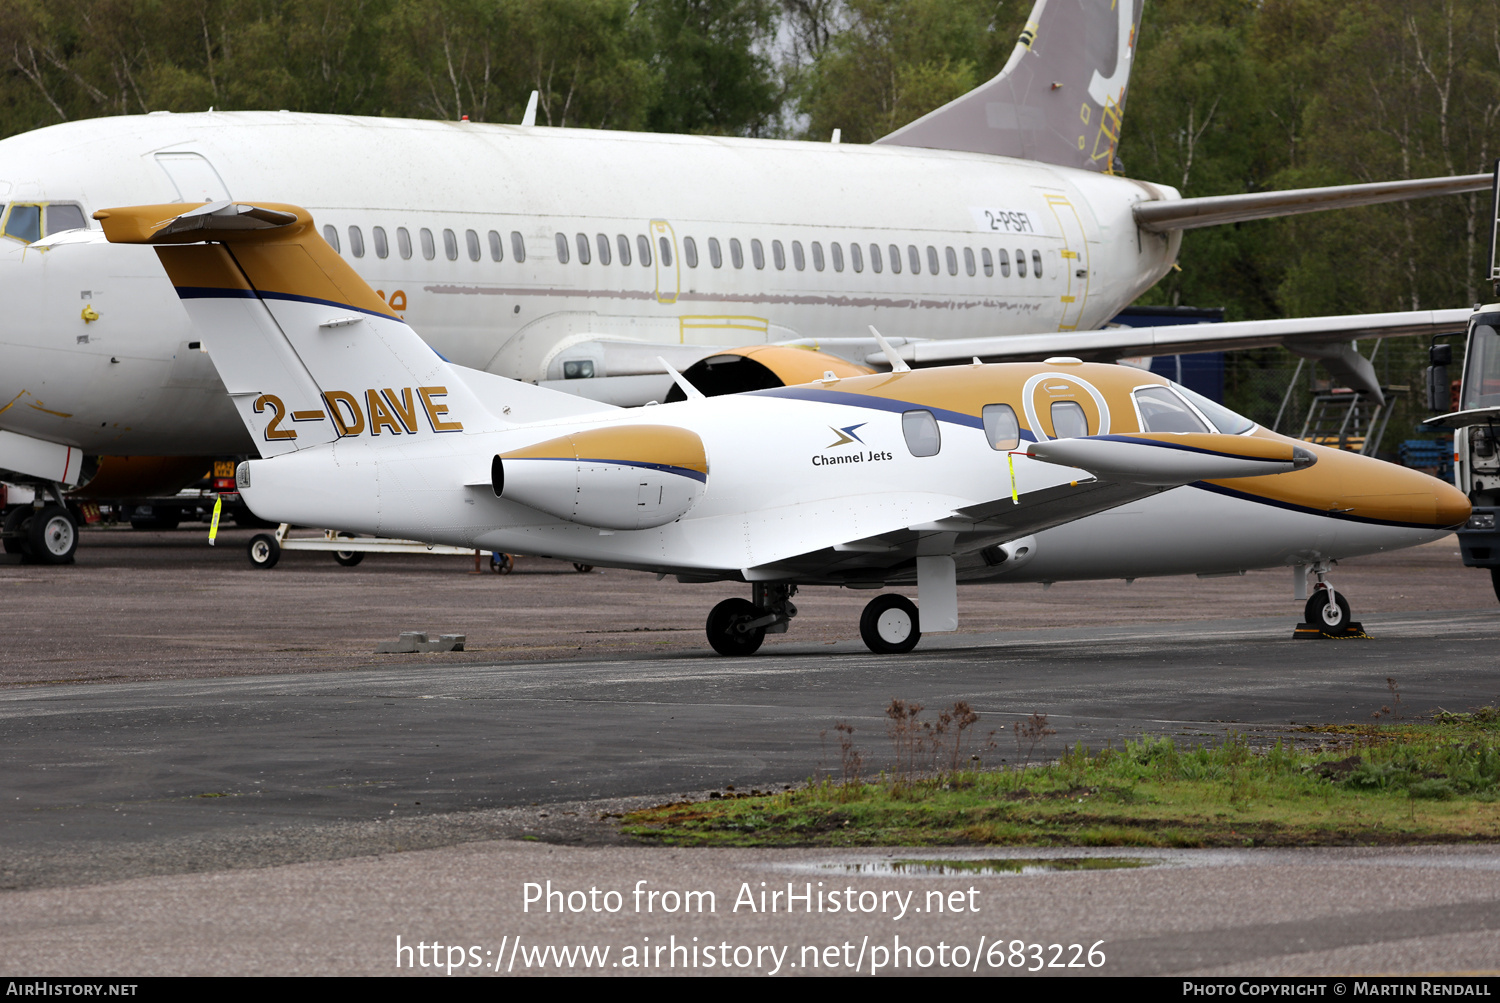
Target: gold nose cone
<point x="1452" y="507"/>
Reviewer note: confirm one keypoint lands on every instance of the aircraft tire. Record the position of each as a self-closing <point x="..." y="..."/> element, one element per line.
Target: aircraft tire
<point x="15" y="529"/>
<point x="890" y="625"/>
<point x="1317" y="613"/>
<point x="348" y="558"/>
<point x="722" y="621"/>
<point x="582" y="569"/>
<point x="264" y="551"/>
<point x="51" y="536"/>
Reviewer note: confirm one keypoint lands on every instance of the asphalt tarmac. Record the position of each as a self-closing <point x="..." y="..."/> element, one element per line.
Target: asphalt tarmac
<point x="179" y="728"/>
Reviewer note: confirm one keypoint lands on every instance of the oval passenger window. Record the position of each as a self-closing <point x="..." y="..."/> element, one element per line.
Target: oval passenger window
<point x="1068" y="420"/>
<point x="1000" y="426"/>
<point x="921" y="431"/>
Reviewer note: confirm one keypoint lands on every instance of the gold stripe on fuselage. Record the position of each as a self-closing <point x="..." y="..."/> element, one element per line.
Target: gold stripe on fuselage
<point x="657" y="445"/>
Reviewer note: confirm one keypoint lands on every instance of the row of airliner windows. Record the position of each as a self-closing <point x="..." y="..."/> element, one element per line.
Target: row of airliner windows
<point x="428" y="243"/>
<point x="857" y="255"/>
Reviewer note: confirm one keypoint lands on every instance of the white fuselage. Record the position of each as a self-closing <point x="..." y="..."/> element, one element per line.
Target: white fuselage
<point x="129" y="383"/>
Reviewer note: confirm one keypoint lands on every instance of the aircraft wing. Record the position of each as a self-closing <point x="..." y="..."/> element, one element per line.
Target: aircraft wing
<point x="1327" y="339"/>
<point x="1113" y="470"/>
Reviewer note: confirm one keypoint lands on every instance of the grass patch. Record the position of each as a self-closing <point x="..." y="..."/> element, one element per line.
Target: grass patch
<point x="1390" y="783"/>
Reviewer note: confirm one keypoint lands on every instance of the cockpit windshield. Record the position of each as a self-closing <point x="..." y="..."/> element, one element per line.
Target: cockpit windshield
<point x="1175" y="408"/>
<point x="30" y="221"/>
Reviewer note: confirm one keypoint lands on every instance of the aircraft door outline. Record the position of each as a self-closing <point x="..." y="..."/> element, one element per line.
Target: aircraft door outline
<point x="668" y="275"/>
<point x="1074" y="261"/>
<point x="193" y="176"/>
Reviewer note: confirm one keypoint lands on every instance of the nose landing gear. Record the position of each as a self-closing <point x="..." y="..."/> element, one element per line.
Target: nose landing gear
<point x="736" y="627"/>
<point x="1327" y="612"/>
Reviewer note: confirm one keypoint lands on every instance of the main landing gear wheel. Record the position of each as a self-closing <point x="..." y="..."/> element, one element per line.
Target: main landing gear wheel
<point x="727" y="631"/>
<point x="15" y="529"/>
<point x="264" y="551"/>
<point x="890" y="625"/>
<point x="347" y="558"/>
<point x="582" y="569"/>
<point x="52" y="536"/>
<point x="1321" y="615"/>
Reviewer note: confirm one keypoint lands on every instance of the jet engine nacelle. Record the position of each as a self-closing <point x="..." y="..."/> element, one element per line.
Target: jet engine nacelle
<point x="632" y="477"/>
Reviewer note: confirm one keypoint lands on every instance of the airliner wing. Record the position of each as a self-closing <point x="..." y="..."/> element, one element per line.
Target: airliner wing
<point x="1328" y="339"/>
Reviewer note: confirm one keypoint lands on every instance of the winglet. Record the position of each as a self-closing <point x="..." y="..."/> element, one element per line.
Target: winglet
<point x="898" y="364"/>
<point x="530" y="117"/>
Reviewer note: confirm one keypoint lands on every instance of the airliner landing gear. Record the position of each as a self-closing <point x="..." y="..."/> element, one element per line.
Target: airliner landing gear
<point x="1327" y="611"/>
<point x="737" y="627"/>
<point x="890" y="625"/>
<point x="42" y="532"/>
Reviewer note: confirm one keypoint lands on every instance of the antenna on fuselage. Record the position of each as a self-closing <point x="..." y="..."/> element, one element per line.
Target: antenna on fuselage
<point x="530" y="117"/>
<point x="898" y="364"/>
<point x="692" y="392"/>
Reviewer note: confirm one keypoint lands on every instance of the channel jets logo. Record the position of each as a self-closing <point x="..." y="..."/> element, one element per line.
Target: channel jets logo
<point x="845" y="436"/>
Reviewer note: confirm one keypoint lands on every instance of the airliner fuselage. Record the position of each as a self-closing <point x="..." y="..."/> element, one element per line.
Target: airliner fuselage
<point x="546" y="255"/>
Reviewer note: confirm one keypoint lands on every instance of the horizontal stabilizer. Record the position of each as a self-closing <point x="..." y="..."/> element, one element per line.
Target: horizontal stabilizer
<point x="1168" y="458"/>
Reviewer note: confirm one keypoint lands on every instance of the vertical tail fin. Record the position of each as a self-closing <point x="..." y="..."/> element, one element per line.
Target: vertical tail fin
<point x="308" y="352"/>
<point x="1059" y="99"/>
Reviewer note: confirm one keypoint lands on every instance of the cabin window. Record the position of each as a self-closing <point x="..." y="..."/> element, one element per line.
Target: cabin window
<point x="471" y="241"/>
<point x="988" y="262"/>
<point x="778" y="255"/>
<point x="497" y="250"/>
<point x="969" y="261"/>
<point x="64" y="216"/>
<point x="736" y="253"/>
<point x="1036" y="264"/>
<point x="690" y="252"/>
<point x="932" y="259"/>
<point x="1020" y="263"/>
<point x="817" y="250"/>
<point x="1163" y="411"/>
<point x="561" y="240"/>
<point x="382" y="247"/>
<point x="1068" y="420"/>
<point x="952" y="259"/>
<point x="914" y="258"/>
<point x="757" y="253"/>
<point x="1000" y="426"/>
<point x="24" y="223"/>
<point x="429" y="249"/>
<point x="330" y="234"/>
<point x="450" y="244"/>
<point x="582" y="240"/>
<point x="601" y="241"/>
<point x="517" y="246"/>
<point x="356" y="242"/>
<point x="921" y="431"/>
<point x="665" y="246"/>
<point x="715" y="253"/>
<point x="836" y="251"/>
<point x="856" y="258"/>
<point x="643" y="250"/>
<point x="895" y="259"/>
<point x="403" y="242"/>
<point x="799" y="261"/>
<point x="875" y="263"/>
<point x="622" y="244"/>
<point x="1004" y="263"/>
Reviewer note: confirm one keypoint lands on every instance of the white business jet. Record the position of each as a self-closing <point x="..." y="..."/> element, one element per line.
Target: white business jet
<point x="577" y="259"/>
<point x="935" y="476"/>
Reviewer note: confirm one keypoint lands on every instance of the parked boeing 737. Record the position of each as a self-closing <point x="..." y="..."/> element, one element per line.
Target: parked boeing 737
<point x="579" y="259"/>
<point x="932" y="477"/>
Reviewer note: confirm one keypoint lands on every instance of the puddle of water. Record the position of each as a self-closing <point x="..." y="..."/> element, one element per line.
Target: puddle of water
<point x="995" y="865"/>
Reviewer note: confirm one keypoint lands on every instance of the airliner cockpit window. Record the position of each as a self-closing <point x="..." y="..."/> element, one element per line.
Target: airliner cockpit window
<point x="1163" y="411"/>
<point x="1219" y="416"/>
<point x="64" y="216"/>
<point x="24" y="222"/>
